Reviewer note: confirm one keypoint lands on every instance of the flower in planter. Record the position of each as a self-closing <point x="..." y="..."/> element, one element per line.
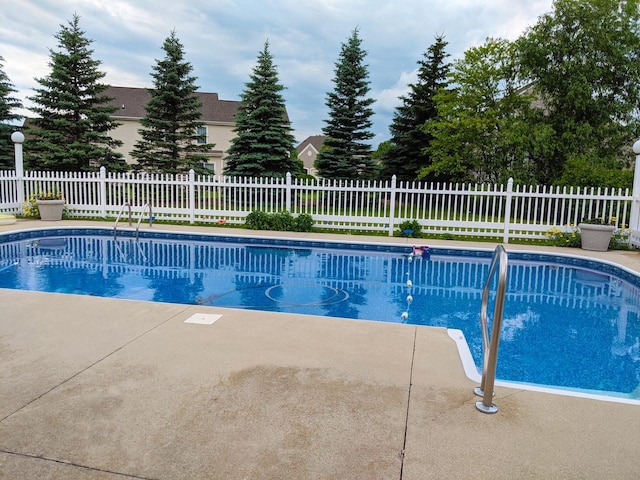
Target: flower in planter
<point x="599" y="221"/>
<point x="30" y="207"/>
<point x="54" y="195"/>
<point x="596" y="233"/>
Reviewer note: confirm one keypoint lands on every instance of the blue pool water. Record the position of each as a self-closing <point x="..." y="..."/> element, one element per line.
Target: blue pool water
<point x="568" y="323"/>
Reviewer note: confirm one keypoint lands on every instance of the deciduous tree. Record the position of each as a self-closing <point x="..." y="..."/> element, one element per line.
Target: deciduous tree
<point x="584" y="61"/>
<point x="481" y="131"/>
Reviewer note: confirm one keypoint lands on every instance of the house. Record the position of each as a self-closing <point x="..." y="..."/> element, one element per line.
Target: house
<point x="217" y="116"/>
<point x="308" y="151"/>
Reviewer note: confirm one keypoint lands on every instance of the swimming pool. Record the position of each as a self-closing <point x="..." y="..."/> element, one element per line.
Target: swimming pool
<point x="569" y="323"/>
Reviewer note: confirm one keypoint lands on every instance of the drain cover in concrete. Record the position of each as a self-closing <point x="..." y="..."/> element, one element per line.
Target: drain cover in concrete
<point x="202" y="318"/>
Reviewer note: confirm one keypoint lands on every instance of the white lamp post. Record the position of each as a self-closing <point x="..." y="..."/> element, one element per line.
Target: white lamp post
<point x="17" y="138"/>
<point x="635" y="206"/>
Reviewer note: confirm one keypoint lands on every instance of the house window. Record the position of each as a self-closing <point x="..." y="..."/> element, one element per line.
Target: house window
<point x="201" y="133"/>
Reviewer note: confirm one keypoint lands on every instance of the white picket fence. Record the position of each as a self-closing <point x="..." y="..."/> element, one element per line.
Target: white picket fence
<point x="477" y="210"/>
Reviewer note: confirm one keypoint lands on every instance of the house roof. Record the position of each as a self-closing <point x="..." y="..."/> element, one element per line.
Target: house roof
<point x="315" y="141"/>
<point x="131" y="103"/>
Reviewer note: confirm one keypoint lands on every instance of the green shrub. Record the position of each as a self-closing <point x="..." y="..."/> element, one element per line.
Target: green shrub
<point x="281" y="221"/>
<point x="30" y="207"/>
<point x="304" y="223"/>
<point x="257" y="221"/>
<point x="620" y="239"/>
<point x="410" y="228"/>
<point x="568" y="237"/>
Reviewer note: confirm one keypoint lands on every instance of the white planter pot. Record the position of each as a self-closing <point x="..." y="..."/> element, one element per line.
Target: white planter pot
<point x="595" y="237"/>
<point x="50" y="210"/>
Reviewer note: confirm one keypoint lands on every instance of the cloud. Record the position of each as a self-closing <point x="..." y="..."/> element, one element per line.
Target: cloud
<point x="222" y="39"/>
<point x="389" y="98"/>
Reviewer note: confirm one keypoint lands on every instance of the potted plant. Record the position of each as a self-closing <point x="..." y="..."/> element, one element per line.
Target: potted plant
<point x="596" y="233"/>
<point x="49" y="206"/>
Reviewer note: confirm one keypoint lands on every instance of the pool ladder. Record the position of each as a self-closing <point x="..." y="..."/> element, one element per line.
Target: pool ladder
<point x="499" y="264"/>
<point x="144" y="208"/>
<point x="127" y="205"/>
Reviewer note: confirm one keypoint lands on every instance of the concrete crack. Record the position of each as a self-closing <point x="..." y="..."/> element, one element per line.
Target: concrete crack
<point x="406" y="420"/>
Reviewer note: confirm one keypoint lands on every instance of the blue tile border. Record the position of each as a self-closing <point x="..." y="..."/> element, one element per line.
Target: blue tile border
<point x="567" y="260"/>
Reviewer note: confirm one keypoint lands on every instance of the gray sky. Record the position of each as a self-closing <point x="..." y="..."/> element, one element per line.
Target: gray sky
<point x="222" y="39"/>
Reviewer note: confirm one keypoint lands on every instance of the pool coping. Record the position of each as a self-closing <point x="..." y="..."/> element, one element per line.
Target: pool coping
<point x="430" y="431"/>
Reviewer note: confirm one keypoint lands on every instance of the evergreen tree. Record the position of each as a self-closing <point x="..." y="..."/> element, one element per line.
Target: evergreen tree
<point x="409" y="140"/>
<point x="170" y="136"/>
<point x="7" y="105"/>
<point x="344" y="155"/>
<point x="481" y="132"/>
<point x="263" y="142"/>
<point x="71" y="130"/>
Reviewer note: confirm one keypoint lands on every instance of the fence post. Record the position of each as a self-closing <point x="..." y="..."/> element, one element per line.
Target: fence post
<point x="103" y="192"/>
<point x="192" y="196"/>
<point x="288" y="193"/>
<point x="17" y="138"/>
<point x="634" y="218"/>
<point x="392" y="206"/>
<point x="507" y="211"/>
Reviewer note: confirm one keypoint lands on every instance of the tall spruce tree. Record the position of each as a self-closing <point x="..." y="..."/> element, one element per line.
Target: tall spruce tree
<point x="345" y="153"/>
<point x="8" y="104"/>
<point x="407" y="153"/>
<point x="263" y="142"/>
<point x="73" y="118"/>
<point x="170" y="135"/>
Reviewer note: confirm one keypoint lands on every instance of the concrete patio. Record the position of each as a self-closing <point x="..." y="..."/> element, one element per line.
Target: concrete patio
<point x="95" y="388"/>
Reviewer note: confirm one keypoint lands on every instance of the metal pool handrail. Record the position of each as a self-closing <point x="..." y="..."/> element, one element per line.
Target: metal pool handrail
<point x="144" y="208"/>
<point x="499" y="263"/>
<point x="115" y="226"/>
